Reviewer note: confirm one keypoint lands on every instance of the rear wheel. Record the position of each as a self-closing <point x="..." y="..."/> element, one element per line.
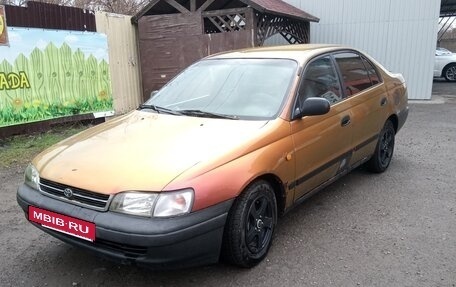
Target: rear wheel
<point x="250" y="225"/>
<point x="450" y="73"/>
<point x="384" y="150"/>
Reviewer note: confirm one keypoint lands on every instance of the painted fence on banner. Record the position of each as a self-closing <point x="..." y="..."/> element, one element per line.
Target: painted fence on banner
<point x="47" y="74"/>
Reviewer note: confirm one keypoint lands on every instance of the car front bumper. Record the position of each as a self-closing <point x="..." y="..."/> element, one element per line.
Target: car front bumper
<point x="157" y="243"/>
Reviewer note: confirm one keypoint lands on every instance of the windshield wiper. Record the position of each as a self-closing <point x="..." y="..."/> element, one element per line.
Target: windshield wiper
<point x="159" y="109"/>
<point x="203" y="114"/>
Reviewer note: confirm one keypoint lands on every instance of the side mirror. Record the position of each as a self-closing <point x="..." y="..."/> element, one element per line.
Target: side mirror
<point x="152" y="94"/>
<point x="314" y="107"/>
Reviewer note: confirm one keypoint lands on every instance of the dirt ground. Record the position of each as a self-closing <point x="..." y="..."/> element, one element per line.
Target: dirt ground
<point x="393" y="229"/>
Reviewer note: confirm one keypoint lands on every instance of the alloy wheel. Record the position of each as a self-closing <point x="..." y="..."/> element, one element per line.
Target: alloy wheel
<point x="259" y="223"/>
<point x="386" y="147"/>
<point x="451" y="73"/>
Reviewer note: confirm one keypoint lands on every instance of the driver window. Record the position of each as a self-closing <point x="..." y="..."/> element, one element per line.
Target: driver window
<point x="320" y="80"/>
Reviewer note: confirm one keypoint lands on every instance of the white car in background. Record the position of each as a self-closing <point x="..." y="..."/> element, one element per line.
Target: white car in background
<point x="445" y="64"/>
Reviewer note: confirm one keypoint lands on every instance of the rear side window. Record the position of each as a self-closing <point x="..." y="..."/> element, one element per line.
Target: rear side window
<point x="354" y="74"/>
<point x="373" y="74"/>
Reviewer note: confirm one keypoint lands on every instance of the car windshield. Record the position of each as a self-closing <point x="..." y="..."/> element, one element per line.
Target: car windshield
<point x="231" y="88"/>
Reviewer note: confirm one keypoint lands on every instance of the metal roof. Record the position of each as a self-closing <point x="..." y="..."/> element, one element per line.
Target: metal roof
<point x="448" y="8"/>
<point x="275" y="7"/>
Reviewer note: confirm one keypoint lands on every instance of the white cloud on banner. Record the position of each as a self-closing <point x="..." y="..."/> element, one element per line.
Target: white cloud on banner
<point x="71" y="39"/>
<point x="25" y="40"/>
<point x="14" y="37"/>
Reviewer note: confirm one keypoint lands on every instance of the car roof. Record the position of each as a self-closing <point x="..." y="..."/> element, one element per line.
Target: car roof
<point x="299" y="52"/>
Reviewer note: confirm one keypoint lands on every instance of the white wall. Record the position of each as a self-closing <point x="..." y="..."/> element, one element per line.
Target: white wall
<point x="400" y="34"/>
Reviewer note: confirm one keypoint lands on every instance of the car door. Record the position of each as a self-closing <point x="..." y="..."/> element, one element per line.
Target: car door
<point x="441" y="60"/>
<point x="367" y="97"/>
<point x="321" y="143"/>
<point x="438" y="64"/>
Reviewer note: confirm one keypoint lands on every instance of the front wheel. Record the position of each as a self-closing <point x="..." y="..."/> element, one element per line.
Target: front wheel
<point x="384" y="150"/>
<point x="450" y="73"/>
<point x="250" y="225"/>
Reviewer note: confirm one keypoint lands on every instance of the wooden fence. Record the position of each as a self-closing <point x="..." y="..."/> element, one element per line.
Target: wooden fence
<point x="50" y="16"/>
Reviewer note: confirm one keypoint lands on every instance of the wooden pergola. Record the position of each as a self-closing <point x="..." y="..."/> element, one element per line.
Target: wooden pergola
<point x="175" y="33"/>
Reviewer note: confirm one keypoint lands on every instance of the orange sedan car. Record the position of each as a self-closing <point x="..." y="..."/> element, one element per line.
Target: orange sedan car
<point x="204" y="168"/>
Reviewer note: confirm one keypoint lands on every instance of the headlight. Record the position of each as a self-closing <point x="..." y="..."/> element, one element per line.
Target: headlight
<point x="163" y="204"/>
<point x="32" y="177"/>
<point x="174" y="203"/>
<point x="135" y="203"/>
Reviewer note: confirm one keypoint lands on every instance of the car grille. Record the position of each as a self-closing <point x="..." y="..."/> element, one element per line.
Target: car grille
<point x="79" y="196"/>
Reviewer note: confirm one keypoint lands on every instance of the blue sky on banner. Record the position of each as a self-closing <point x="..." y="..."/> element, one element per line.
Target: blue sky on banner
<point x="25" y="40"/>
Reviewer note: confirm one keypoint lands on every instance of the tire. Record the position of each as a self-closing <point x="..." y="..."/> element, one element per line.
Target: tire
<point x="450" y="73"/>
<point x="384" y="150"/>
<point x="250" y="225"/>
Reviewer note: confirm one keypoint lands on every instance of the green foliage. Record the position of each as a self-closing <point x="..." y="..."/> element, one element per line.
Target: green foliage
<point x="62" y="83"/>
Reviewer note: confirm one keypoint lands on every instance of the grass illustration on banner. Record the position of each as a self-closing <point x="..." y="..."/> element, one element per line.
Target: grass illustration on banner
<point x="53" y="81"/>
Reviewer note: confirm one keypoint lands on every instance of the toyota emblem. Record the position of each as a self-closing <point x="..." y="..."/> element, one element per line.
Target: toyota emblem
<point x="68" y="193"/>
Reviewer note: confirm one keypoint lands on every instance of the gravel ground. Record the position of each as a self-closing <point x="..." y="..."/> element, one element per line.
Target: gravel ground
<point x="393" y="229"/>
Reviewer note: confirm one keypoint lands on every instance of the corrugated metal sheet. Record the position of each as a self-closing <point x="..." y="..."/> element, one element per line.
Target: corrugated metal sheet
<point x="401" y="35"/>
<point x="123" y="59"/>
<point x="50" y="16"/>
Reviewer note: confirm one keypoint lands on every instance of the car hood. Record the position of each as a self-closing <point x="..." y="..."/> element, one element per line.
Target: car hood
<point x="142" y="151"/>
<point x="449" y="56"/>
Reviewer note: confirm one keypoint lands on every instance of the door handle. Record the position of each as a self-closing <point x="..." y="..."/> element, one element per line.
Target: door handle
<point x="345" y="121"/>
<point x="383" y="102"/>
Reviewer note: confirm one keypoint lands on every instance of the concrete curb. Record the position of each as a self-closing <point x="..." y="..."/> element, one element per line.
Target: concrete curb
<point x="436" y="100"/>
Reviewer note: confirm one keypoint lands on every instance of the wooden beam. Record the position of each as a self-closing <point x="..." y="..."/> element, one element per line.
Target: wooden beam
<point x="205" y="5"/>
<point x="178" y="6"/>
<point x="193" y="5"/>
<point x="233" y="20"/>
<point x="227" y="25"/>
<point x="220" y="28"/>
<point x="143" y="11"/>
<point x="226" y="12"/>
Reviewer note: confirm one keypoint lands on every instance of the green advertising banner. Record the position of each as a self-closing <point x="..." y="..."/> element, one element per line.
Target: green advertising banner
<point x="47" y="74"/>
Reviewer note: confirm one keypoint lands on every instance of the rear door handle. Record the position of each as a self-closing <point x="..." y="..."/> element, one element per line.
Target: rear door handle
<point x="383" y="102"/>
<point x="345" y="121"/>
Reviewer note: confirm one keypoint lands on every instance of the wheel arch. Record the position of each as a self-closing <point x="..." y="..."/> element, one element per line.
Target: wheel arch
<point x="279" y="190"/>
<point x="395" y="120"/>
<point x="446" y="67"/>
